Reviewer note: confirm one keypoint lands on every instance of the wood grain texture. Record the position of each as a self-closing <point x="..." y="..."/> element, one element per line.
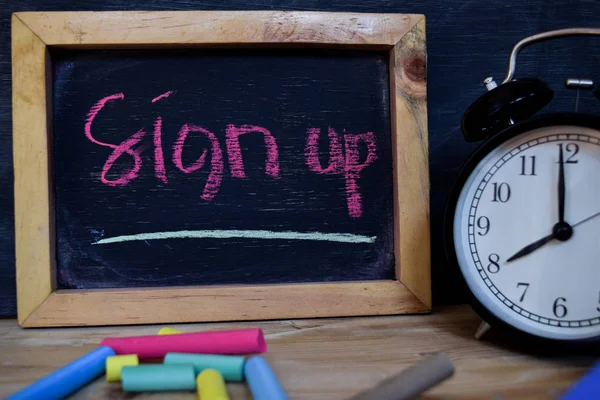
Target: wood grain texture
<point x="216" y="303"/>
<point x="325" y="359"/>
<point x="34" y="233"/>
<point x="214" y="27"/>
<point x="408" y="82"/>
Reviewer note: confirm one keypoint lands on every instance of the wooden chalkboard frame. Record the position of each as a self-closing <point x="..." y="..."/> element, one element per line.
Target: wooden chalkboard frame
<point x="40" y="304"/>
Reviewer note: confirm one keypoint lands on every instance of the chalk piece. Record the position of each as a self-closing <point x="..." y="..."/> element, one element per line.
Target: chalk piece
<point x="168" y="331"/>
<point x="244" y="341"/>
<point x="158" y="377"/>
<point x="411" y="382"/>
<point x="115" y="363"/>
<point x="262" y="381"/>
<point x="211" y="385"/>
<point x="231" y="367"/>
<point x="67" y="379"/>
<point x="587" y="387"/>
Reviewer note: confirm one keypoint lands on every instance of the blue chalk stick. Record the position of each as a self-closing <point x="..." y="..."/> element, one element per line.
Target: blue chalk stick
<point x="587" y="388"/>
<point x="68" y="379"/>
<point x="262" y="381"/>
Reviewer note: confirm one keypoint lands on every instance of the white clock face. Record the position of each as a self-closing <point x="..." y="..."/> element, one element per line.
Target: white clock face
<point x="511" y="201"/>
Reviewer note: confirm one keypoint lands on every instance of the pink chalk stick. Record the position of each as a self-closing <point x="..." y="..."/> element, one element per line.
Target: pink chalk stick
<point x="243" y="341"/>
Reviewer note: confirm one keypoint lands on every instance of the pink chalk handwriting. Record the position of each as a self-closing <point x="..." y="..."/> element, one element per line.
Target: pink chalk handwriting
<point x="311" y="152"/>
<point x="344" y="154"/>
<point x="94" y="112"/>
<point x="124" y="147"/>
<point x="354" y="166"/>
<point x="162" y="96"/>
<point x="236" y="163"/>
<point x="216" y="171"/>
<point x="349" y="164"/>
<point x="159" y="160"/>
<point x="118" y="150"/>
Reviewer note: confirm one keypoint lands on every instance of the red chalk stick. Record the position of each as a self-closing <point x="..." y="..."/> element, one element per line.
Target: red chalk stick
<point x="243" y="341"/>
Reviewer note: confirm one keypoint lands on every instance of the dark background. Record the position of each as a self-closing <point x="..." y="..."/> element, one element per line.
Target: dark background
<point x="467" y="41"/>
<point x="286" y="91"/>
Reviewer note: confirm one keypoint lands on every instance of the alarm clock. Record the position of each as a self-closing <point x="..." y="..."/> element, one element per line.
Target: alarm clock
<point x="523" y="219"/>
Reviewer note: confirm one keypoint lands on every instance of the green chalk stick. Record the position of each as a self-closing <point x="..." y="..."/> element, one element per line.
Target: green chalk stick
<point x="231" y="367"/>
<point x="158" y="377"/>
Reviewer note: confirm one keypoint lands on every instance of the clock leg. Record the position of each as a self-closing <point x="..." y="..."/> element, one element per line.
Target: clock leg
<point x="481" y="330"/>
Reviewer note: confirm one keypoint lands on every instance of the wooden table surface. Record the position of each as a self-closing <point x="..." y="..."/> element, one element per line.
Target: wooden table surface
<point x="324" y="358"/>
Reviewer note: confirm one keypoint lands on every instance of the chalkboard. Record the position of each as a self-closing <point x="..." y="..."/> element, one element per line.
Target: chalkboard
<point x="262" y="164"/>
<point x="201" y="167"/>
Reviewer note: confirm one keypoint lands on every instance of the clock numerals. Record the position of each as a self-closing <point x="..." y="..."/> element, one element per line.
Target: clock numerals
<point x="507" y="232"/>
<point x="493" y="267"/>
<point x="559" y="308"/>
<point x="572" y="148"/>
<point x="483" y="223"/>
<point x="526" y="286"/>
<point x="528" y="168"/>
<point x="501" y="192"/>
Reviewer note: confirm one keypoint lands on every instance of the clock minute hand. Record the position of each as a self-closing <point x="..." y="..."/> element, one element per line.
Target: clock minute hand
<point x="561" y="186"/>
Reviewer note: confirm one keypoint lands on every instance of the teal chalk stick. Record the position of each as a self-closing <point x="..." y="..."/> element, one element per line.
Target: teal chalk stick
<point x="231" y="367"/>
<point x="158" y="377"/>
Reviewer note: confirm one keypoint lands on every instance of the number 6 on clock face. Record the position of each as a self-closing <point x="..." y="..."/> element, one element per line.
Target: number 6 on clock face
<point x="526" y="230"/>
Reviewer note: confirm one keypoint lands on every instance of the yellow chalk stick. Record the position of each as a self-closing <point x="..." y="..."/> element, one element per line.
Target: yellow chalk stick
<point x="168" y="331"/>
<point x="211" y="386"/>
<point x="115" y="363"/>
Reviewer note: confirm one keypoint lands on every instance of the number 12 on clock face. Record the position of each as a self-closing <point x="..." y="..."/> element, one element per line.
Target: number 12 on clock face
<point x="526" y="231"/>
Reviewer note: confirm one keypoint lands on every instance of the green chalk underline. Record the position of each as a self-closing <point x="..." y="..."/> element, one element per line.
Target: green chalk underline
<point x="243" y="234"/>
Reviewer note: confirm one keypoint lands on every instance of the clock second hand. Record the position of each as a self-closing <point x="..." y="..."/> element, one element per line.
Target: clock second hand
<point x="539" y="243"/>
<point x="586" y="219"/>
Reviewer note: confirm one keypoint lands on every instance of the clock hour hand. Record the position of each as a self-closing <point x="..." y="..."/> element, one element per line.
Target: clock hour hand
<point x="530" y="248"/>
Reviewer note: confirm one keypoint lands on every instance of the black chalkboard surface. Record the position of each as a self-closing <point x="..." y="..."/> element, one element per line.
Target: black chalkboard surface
<point x="258" y="166"/>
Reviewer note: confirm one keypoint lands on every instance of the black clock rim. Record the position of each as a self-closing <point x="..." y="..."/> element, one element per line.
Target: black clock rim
<point x="540" y="121"/>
